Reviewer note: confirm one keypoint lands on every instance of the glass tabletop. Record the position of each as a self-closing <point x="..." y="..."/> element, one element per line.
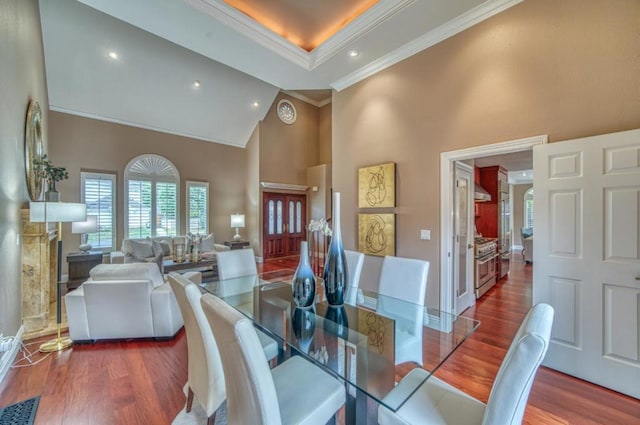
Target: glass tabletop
<point x="366" y="345"/>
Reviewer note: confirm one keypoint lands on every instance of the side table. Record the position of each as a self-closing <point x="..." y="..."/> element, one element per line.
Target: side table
<point x="236" y="244"/>
<point x="80" y="264"/>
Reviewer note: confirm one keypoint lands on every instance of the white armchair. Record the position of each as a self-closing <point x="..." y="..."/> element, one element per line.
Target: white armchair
<point x="124" y="301"/>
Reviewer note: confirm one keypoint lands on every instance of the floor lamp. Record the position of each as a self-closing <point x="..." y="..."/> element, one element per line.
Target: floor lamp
<point x="57" y="212"/>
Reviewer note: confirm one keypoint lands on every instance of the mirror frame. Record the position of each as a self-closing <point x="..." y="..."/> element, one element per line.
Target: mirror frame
<point x="33" y="149"/>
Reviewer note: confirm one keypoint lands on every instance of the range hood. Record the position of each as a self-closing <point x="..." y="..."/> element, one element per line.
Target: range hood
<point x="480" y="194"/>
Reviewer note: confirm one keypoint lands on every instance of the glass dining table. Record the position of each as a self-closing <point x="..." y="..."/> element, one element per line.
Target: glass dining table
<point x="369" y="346"/>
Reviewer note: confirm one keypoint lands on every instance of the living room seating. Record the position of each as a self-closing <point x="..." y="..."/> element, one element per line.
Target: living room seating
<point x="149" y="249"/>
<point x="236" y="263"/>
<point x="436" y="402"/>
<point x="295" y="392"/>
<point x="124" y="301"/>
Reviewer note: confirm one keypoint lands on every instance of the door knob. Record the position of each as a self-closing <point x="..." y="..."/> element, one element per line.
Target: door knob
<point x="470" y="246"/>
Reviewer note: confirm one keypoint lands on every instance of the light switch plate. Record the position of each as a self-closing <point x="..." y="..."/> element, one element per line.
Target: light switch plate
<point x="425" y="235"/>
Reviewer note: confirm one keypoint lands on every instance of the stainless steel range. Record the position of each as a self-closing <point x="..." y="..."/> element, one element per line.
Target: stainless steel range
<point x="486" y="257"/>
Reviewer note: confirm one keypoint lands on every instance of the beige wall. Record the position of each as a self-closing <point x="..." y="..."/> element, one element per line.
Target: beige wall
<point x="253" y="204"/>
<point x="567" y="69"/>
<point x="517" y="203"/>
<point x="324" y="134"/>
<point x="22" y="78"/>
<point x="83" y="144"/>
<point x="286" y="151"/>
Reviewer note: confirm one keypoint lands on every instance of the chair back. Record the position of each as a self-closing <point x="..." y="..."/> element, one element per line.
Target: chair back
<point x="404" y="278"/>
<point x="236" y="263"/>
<point x="513" y="382"/>
<point x="251" y="392"/>
<point x="355" y="260"/>
<point x="206" y="376"/>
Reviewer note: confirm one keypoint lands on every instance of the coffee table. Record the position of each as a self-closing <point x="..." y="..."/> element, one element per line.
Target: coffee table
<point x="207" y="265"/>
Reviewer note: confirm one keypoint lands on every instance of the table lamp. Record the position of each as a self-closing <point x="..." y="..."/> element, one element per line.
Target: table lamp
<point x="237" y="221"/>
<point x="84" y="228"/>
<point x="57" y="212"/>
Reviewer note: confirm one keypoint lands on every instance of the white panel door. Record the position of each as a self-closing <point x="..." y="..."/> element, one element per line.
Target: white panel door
<point x="463" y="239"/>
<point x="587" y="256"/>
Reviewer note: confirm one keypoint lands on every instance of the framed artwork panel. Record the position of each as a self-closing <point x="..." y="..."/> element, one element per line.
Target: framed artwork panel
<point x="377" y="186"/>
<point x="377" y="234"/>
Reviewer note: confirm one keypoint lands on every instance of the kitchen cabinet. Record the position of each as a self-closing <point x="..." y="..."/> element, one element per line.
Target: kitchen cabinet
<point x="494" y="216"/>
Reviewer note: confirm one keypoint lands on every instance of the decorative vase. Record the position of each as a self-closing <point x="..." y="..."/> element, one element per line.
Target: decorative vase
<point x="52" y="195"/>
<point x="304" y="282"/>
<point x="336" y="322"/>
<point x="303" y="321"/>
<point x="335" y="267"/>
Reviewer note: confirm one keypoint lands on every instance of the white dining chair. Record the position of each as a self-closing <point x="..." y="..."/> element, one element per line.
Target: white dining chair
<point x="403" y="285"/>
<point x="205" y="374"/>
<point x="355" y="260"/>
<point x="236" y="263"/>
<point x="302" y="392"/>
<point x="436" y="402"/>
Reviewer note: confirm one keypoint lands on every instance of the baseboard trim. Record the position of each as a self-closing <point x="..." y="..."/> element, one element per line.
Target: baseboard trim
<point x="8" y="356"/>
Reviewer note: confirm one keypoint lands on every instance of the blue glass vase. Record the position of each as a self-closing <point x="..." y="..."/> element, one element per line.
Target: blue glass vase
<point x="304" y="281"/>
<point x="303" y="321"/>
<point x="335" y="266"/>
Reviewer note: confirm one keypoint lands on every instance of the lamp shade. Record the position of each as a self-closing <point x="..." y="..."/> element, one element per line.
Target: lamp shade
<point x="56" y="212"/>
<point x="89" y="226"/>
<point x="237" y="220"/>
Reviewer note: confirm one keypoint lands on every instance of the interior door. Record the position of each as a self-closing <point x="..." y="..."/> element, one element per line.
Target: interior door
<point x="587" y="256"/>
<point x="284" y="220"/>
<point x="463" y="239"/>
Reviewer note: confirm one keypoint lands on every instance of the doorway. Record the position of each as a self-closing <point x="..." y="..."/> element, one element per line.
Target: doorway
<point x="448" y="298"/>
<point x="463" y="238"/>
<point x="283" y="224"/>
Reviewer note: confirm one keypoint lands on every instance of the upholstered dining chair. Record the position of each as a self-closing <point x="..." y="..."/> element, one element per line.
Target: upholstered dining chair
<point x="302" y="392"/>
<point x="355" y="260"/>
<point x="436" y="402"/>
<point x="205" y="374"/>
<point x="236" y="263"/>
<point x="403" y="281"/>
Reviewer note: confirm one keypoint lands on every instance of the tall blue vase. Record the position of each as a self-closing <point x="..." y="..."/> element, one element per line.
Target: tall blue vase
<point x="335" y="266"/>
<point x="304" y="281"/>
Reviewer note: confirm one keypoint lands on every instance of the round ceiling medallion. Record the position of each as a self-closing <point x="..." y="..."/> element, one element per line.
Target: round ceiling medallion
<point x="287" y="112"/>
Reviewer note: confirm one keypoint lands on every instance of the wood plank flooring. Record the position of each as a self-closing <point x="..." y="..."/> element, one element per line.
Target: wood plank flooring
<point x="140" y="382"/>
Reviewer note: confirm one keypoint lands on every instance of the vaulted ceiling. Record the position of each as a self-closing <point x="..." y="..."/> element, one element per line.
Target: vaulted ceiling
<point x="210" y="69"/>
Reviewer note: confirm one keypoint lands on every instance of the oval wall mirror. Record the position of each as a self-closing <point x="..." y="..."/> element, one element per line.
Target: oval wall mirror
<point x="33" y="149"/>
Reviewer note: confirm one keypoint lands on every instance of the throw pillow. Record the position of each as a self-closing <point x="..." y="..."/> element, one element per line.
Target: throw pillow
<point x="207" y="243"/>
<point x="141" y="249"/>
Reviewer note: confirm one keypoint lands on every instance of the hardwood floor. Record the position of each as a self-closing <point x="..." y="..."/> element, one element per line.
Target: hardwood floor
<point x="140" y="382"/>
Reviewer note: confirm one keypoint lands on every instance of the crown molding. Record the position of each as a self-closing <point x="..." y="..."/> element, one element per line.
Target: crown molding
<point x="371" y="18"/>
<point x="252" y="29"/>
<point x="238" y="21"/>
<point x="451" y="28"/>
<point x="284" y="186"/>
<point x="306" y="99"/>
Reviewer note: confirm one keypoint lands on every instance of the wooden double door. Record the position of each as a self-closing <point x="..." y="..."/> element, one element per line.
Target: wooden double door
<point x="283" y="223"/>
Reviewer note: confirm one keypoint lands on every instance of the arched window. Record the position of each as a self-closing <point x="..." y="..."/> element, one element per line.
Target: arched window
<point x="528" y="208"/>
<point x="152" y="195"/>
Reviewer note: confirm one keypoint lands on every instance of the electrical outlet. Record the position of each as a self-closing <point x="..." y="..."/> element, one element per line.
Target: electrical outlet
<point x="425" y="235"/>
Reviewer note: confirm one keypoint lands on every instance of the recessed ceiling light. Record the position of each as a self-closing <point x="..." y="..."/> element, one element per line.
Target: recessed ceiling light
<point x="196" y="84"/>
<point x="112" y="55"/>
<point x="353" y="53"/>
<point x="255" y="104"/>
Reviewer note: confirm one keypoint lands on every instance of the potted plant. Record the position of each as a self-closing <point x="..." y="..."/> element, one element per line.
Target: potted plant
<point x="45" y="170"/>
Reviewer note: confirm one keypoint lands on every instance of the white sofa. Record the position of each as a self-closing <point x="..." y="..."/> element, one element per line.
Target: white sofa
<point x="145" y="249"/>
<point x="527" y="249"/>
<point x="124" y="301"/>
